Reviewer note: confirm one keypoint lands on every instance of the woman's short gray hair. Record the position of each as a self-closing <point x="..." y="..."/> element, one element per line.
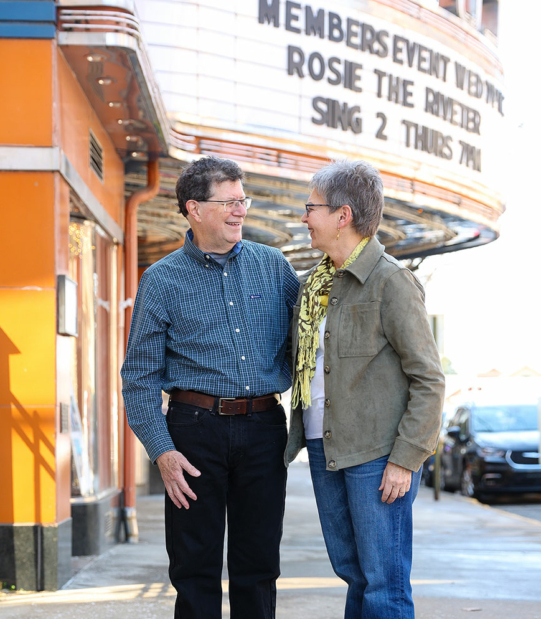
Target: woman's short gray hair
<point x="357" y="184"/>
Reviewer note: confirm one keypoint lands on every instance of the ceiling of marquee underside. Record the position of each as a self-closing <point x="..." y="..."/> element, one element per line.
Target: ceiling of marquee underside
<point x="407" y="231"/>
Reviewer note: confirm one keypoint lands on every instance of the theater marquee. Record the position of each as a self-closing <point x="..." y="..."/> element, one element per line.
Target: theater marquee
<point x="285" y="86"/>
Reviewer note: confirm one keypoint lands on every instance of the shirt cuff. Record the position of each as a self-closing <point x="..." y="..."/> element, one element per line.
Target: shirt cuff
<point x="159" y="445"/>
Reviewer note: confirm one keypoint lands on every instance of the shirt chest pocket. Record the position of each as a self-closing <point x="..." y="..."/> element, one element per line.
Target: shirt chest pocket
<point x="360" y="333"/>
<point x="267" y="315"/>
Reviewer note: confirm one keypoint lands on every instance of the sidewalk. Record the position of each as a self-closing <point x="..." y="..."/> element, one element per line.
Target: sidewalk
<point x="468" y="558"/>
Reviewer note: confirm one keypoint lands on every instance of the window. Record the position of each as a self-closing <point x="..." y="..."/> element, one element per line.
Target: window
<point x="482" y="14"/>
<point x="94" y="361"/>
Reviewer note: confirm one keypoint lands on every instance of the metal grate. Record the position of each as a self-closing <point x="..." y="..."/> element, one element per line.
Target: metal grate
<point x="96" y="156"/>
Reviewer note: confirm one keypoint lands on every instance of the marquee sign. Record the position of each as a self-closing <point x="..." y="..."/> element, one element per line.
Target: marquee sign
<point x="363" y="79"/>
<point x="403" y="89"/>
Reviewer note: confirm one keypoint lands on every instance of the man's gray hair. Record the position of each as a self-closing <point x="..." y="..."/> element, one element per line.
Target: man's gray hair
<point x="357" y="184"/>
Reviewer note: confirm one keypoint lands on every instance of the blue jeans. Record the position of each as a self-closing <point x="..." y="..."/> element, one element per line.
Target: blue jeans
<point x="369" y="542"/>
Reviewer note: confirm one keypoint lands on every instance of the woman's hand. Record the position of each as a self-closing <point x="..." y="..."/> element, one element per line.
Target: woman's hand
<point x="396" y="481"/>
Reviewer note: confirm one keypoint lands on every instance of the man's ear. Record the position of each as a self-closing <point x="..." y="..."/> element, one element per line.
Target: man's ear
<point x="193" y="206"/>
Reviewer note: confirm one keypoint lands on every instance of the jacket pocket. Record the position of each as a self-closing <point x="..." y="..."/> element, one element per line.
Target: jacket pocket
<point x="359" y="332"/>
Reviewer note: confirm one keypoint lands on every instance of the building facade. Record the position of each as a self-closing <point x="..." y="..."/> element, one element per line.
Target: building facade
<point x="103" y="103"/>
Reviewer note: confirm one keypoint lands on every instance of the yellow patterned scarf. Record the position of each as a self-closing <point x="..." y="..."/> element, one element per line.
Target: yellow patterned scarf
<point x="313" y="310"/>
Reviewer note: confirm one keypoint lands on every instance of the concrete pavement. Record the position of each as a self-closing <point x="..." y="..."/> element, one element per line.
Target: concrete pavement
<point x="468" y="558"/>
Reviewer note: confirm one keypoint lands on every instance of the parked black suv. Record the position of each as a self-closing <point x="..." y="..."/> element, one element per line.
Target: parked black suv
<point x="491" y="445"/>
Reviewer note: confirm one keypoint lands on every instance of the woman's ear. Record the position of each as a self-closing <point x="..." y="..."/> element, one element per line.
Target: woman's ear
<point x="346" y="215"/>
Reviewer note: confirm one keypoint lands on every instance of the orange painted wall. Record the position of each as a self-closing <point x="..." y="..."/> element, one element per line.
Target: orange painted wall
<point x="34" y="220"/>
<point x="27" y="230"/>
<point x="33" y="462"/>
<point x="27" y="291"/>
<point x="27" y="405"/>
<point x="26" y="74"/>
<point x="76" y="116"/>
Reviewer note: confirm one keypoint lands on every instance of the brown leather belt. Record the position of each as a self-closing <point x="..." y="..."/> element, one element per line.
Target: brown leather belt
<point x="226" y="406"/>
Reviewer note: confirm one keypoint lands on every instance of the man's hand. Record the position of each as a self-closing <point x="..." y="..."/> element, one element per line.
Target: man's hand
<point x="172" y="466"/>
<point x="396" y="481"/>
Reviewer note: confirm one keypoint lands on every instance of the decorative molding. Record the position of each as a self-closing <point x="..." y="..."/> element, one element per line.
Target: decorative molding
<point x="98" y="28"/>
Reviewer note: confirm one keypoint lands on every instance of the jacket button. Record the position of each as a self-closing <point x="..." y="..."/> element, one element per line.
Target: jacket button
<point x="332" y="464"/>
<point x="340" y="273"/>
<point x="334" y="301"/>
<point x="327" y="335"/>
<point x="327" y="369"/>
<point x="327" y="402"/>
<point x="327" y="434"/>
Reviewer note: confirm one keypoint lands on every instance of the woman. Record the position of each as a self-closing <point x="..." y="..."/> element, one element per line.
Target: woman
<point x="367" y="391"/>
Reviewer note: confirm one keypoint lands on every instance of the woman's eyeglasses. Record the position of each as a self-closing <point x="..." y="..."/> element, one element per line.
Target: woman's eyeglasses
<point x="310" y="207"/>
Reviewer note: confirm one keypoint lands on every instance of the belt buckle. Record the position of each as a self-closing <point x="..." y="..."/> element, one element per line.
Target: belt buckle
<point x="220" y="400"/>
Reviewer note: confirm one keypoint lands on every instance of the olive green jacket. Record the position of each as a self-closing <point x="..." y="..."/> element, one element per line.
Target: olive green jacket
<point x="384" y="385"/>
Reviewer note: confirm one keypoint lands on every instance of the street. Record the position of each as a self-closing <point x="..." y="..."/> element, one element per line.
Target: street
<point x="528" y="506"/>
<point x="468" y="558"/>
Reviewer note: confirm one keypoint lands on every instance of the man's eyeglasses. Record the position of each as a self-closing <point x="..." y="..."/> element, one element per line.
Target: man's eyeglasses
<point x="310" y="207"/>
<point x="230" y="205"/>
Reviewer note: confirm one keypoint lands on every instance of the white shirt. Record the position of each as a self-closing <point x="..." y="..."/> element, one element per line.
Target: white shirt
<point x="313" y="415"/>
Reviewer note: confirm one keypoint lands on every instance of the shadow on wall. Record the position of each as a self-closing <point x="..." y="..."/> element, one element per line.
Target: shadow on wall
<point x="23" y="444"/>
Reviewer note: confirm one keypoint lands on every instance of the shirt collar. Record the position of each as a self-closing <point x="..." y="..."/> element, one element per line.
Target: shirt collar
<point x="194" y="252"/>
<point x="365" y="263"/>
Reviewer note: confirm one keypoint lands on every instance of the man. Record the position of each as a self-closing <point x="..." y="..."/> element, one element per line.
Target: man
<point x="209" y="327"/>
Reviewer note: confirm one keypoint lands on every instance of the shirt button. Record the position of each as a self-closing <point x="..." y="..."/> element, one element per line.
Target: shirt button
<point x="327" y="402"/>
<point x="207" y="256"/>
<point x="340" y="273"/>
<point x="327" y="369"/>
<point x="327" y="434"/>
<point x="237" y="330"/>
<point x="243" y="358"/>
<point x="327" y="335"/>
<point x="225" y="274"/>
<point x="247" y="388"/>
<point x="230" y="302"/>
<point x="207" y="266"/>
<point x="332" y="464"/>
<point x="334" y="301"/>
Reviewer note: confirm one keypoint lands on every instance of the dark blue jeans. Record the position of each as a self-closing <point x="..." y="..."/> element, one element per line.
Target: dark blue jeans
<point x="369" y="542"/>
<point x="242" y="476"/>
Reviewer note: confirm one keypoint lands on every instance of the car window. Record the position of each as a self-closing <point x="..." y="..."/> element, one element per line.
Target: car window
<point x="512" y="418"/>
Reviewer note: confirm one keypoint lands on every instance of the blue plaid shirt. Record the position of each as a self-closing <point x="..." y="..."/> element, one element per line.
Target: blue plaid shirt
<point x="203" y="327"/>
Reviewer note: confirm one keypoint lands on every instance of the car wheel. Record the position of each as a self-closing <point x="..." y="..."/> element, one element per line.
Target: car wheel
<point x="487" y="498"/>
<point x="467" y="487"/>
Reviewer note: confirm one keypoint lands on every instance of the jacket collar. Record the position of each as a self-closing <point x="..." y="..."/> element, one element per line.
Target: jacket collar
<point x="365" y="263"/>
